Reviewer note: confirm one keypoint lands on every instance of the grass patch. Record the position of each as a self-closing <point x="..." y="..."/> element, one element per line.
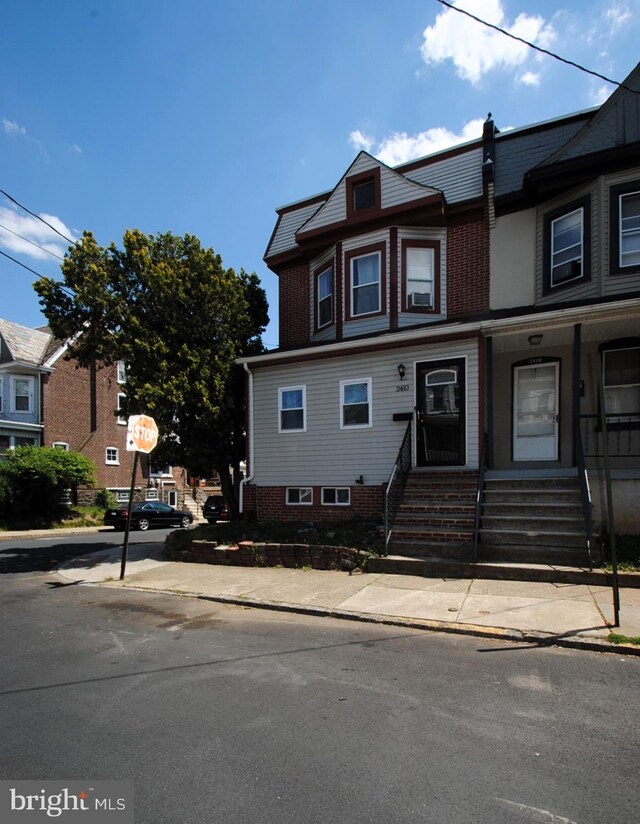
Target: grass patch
<point x="75" y="516"/>
<point x="616" y="638"/>
<point x="627" y="552"/>
<point x="357" y="534"/>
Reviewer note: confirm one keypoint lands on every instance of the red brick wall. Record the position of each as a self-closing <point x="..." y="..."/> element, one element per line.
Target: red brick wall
<point x="294" y="302"/>
<point x="366" y="502"/>
<point x="467" y="267"/>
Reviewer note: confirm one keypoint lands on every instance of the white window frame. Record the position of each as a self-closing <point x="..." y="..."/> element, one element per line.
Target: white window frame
<point x="351" y="382"/>
<point x="281" y="390"/>
<point x="378" y="256"/>
<point x="121" y="421"/>
<point x="114" y="460"/>
<point x="610" y="392"/>
<point x="327" y="271"/>
<point x="420" y="285"/>
<point x="60" y="445"/>
<point x="1" y="393"/>
<point x="580" y="210"/>
<point x="161" y="474"/>
<point x="31" y="394"/>
<point x="122" y="495"/>
<point x="305" y="492"/>
<point x="335" y="490"/>
<point x="628" y="233"/>
<point x="121" y="371"/>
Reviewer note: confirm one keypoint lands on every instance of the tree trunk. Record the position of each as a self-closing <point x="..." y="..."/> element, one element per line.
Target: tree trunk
<point x="229" y="491"/>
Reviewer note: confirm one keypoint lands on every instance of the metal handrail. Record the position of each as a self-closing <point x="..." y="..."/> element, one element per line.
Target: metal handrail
<point x="395" y="487"/>
<point x="476" y="532"/>
<point x="585" y="493"/>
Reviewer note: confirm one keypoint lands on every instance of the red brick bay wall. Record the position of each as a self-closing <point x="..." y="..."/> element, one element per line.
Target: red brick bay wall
<point x="467" y="267"/>
<point x="270" y="505"/>
<point x="294" y="301"/>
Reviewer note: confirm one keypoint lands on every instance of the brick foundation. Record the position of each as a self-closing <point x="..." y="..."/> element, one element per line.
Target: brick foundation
<point x="270" y="505"/>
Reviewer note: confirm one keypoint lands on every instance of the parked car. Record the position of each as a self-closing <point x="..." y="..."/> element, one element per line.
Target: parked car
<point x="215" y="509"/>
<point x="152" y="513"/>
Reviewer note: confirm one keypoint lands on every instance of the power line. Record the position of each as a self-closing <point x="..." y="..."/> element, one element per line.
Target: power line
<point x="537" y="48"/>
<point x="33" y="271"/>
<point x="38" y="217"/>
<point x="32" y="242"/>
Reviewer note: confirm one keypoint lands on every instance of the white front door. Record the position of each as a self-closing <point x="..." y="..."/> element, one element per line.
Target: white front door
<point x="535" y="412"/>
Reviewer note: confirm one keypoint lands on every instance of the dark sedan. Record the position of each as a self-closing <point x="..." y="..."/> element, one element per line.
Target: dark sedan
<point x="153" y="513"/>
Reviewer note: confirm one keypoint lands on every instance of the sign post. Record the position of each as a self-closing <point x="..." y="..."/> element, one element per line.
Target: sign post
<point x="142" y="436"/>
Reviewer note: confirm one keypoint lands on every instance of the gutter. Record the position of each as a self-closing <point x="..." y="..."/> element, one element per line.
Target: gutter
<point x="249" y="477"/>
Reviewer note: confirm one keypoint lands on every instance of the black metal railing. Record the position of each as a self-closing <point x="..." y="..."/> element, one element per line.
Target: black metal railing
<point x="623" y="436"/>
<point x="585" y="494"/>
<point x="395" y="487"/>
<point x="476" y="531"/>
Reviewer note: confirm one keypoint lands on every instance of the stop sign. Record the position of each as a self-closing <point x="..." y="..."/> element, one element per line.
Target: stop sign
<point x="142" y="433"/>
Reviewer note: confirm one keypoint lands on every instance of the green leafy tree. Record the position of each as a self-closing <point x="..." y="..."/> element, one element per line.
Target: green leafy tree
<point x="34" y="477"/>
<point x="168" y="308"/>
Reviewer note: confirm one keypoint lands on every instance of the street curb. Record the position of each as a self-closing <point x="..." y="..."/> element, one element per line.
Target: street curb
<point x="52" y="533"/>
<point x="500" y="633"/>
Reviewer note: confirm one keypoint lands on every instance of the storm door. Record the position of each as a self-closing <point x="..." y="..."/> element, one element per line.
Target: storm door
<point x="440" y="407"/>
<point x="535" y="412"/>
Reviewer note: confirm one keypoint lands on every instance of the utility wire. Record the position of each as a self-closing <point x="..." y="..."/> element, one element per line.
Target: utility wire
<point x="537" y="48"/>
<point x="32" y="242"/>
<point x="21" y="264"/>
<point x="38" y="217"/>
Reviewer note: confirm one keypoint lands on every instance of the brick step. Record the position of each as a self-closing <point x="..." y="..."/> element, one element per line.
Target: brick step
<point x="523" y="554"/>
<point x="536" y="482"/>
<point x="432" y="549"/>
<point x="436" y="505"/>
<point x="530" y="495"/>
<point x="535" y="523"/>
<point x="434" y="520"/>
<point x="440" y="534"/>
<point x="534" y="537"/>
<point x="546" y="509"/>
<point x="441" y="483"/>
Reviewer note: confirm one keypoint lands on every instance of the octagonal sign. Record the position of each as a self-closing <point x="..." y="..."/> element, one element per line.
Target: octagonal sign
<point x="142" y="433"/>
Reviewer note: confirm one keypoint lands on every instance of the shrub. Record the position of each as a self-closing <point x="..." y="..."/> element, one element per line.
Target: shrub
<point x="106" y="499"/>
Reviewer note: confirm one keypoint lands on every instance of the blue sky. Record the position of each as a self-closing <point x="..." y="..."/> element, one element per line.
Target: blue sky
<point x="203" y="116"/>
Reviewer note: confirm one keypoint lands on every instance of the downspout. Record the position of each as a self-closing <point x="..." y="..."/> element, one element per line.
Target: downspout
<point x="249" y="477"/>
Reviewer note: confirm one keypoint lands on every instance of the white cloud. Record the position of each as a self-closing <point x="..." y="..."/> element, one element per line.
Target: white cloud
<point x="77" y="149"/>
<point x="401" y="147"/>
<point x="16" y="232"/>
<point x="529" y="79"/>
<point x="599" y="95"/>
<point x="360" y="141"/>
<point x="11" y="128"/>
<point x="616" y="16"/>
<point x="476" y="49"/>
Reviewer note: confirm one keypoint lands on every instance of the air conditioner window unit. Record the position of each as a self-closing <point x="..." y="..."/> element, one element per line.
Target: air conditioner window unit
<point x="421" y="299"/>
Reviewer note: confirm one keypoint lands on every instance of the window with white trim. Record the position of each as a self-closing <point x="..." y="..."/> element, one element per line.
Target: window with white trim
<point x="60" y="445"/>
<point x="365" y="284"/>
<point x="621" y="374"/>
<point x="336" y="496"/>
<point x="624" y="217"/>
<point x="121" y="399"/>
<point x="22" y="390"/>
<point x="567" y="245"/>
<point x="355" y="403"/>
<point x="1" y="393"/>
<point x="112" y="456"/>
<point x="292" y="409"/>
<point x="324" y="298"/>
<point x="420" y="270"/>
<point x="157" y="471"/>
<point x="122" y="495"/>
<point x="299" y="496"/>
<point x="121" y="371"/>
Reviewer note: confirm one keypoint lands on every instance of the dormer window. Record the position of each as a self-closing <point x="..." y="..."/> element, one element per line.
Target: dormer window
<point x="363" y="194"/>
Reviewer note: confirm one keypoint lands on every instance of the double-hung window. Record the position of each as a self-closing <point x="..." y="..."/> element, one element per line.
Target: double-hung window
<point x="355" y="404"/>
<point x="567" y="240"/>
<point x="112" y="456"/>
<point x="621" y="373"/>
<point x="420" y="271"/>
<point x="22" y="394"/>
<point x="365" y="284"/>
<point x="121" y="371"/>
<point x="121" y="401"/>
<point x="324" y="297"/>
<point x="624" y="240"/>
<point x="292" y="409"/>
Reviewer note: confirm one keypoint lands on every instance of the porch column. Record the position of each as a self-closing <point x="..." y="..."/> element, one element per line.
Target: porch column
<point x="577" y="357"/>
<point x="488" y="460"/>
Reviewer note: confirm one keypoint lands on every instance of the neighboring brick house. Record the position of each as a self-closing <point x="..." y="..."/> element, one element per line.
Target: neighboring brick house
<point x="73" y="408"/>
<point x="450" y="317"/>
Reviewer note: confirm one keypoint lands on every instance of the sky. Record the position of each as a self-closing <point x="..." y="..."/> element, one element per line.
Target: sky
<point x="204" y="116"/>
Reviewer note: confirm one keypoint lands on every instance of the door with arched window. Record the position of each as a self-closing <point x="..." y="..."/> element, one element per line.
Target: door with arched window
<point x="441" y="413"/>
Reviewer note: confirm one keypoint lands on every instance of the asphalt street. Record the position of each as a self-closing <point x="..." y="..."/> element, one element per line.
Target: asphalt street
<point x="219" y="713"/>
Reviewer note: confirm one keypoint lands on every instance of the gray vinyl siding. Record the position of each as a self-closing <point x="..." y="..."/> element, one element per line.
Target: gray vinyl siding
<point x="290" y="222"/>
<point x="326" y="454"/>
<point x="397" y="190"/>
<point x="459" y="177"/>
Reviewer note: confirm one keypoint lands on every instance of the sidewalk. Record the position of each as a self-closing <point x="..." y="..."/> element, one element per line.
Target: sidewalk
<point x="566" y="614"/>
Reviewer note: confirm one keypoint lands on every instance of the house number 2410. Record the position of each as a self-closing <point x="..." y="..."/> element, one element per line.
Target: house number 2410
<point x="402" y="387"/>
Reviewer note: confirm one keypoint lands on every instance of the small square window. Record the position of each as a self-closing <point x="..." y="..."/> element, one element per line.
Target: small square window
<point x="299" y="496"/>
<point x="292" y="409"/>
<point x="60" y="445"/>
<point x="336" y="496"/>
<point x="112" y="456"/>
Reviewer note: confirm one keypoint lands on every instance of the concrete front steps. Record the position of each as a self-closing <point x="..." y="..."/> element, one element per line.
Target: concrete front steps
<point x="533" y="520"/>
<point x="436" y="516"/>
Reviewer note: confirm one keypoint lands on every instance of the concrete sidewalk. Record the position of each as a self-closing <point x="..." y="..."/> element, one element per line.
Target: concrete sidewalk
<point x="568" y="614"/>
